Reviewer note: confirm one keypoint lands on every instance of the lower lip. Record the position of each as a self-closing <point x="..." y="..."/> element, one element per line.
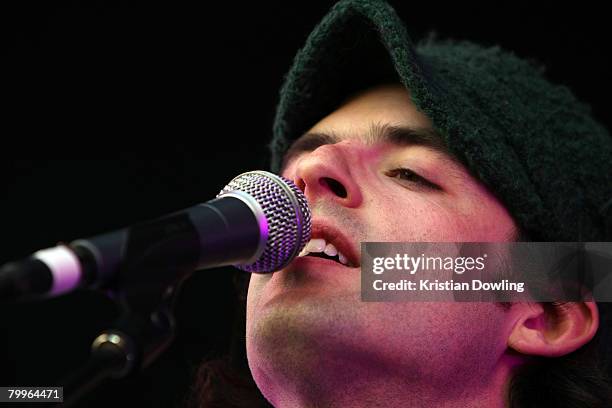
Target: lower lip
<point x="312" y="270"/>
<point x="318" y="276"/>
<point x="309" y="262"/>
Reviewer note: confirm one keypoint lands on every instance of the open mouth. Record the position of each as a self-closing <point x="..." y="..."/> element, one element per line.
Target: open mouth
<point x="324" y="256"/>
<point x="320" y="248"/>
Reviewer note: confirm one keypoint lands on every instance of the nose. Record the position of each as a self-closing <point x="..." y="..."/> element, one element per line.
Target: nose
<point x="326" y="173"/>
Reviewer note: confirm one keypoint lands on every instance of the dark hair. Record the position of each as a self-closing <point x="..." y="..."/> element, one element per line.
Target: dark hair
<point x="226" y="382"/>
<point x="577" y="380"/>
<point x="220" y="385"/>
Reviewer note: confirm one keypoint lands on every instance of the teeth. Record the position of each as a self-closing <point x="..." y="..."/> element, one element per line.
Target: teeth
<point x="315" y="245"/>
<point x="319" y="245"/>
<point x="330" y="250"/>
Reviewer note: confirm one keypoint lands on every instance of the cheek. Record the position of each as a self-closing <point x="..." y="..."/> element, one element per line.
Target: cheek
<point x="493" y="223"/>
<point x="417" y="217"/>
<point x="484" y="217"/>
<point x="442" y="341"/>
<point x="257" y="284"/>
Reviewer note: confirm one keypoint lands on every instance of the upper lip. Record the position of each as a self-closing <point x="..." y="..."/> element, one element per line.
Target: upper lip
<point x="332" y="235"/>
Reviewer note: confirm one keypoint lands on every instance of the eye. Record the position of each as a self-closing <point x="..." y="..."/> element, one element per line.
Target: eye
<point x="409" y="176"/>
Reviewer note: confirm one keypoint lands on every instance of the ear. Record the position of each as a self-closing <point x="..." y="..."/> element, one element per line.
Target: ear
<point x="553" y="329"/>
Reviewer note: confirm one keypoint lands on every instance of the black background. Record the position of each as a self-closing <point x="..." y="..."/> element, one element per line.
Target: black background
<point x="117" y="112"/>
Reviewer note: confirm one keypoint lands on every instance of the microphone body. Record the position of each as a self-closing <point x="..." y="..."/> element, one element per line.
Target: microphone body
<point x="240" y="227"/>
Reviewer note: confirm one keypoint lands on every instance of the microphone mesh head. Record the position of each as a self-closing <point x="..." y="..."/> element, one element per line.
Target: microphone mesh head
<point x="286" y="212"/>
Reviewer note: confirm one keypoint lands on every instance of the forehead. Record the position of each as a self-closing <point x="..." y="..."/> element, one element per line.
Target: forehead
<point x="376" y="133"/>
<point x="384" y="114"/>
<point x="385" y="104"/>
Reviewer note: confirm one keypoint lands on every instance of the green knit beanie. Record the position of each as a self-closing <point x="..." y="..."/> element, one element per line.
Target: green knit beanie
<point x="532" y="143"/>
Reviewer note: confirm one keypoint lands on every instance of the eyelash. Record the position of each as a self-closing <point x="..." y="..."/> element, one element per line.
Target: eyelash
<point x="411" y="177"/>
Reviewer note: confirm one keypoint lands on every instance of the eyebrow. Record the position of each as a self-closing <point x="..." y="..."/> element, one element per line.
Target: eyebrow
<point x="396" y="135"/>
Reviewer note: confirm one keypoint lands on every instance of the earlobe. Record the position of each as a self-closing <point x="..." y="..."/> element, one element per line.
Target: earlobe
<point x="553" y="329"/>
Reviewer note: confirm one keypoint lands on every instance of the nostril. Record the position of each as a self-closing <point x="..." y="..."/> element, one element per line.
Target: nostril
<point x="335" y="186"/>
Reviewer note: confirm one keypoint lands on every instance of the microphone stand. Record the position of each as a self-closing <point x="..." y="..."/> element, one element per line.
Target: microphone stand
<point x="132" y="344"/>
<point x="144" y="330"/>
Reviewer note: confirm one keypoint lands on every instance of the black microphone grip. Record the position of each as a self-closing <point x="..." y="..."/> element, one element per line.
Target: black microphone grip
<point x="202" y="236"/>
<point x="223" y="231"/>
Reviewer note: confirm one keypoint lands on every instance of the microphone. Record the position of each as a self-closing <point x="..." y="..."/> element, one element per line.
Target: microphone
<point x="258" y="222"/>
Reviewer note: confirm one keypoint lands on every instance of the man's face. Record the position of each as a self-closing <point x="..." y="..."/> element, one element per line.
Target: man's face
<point x="361" y="186"/>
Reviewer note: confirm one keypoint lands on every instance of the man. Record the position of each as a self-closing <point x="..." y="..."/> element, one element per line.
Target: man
<point x="440" y="142"/>
<point x="312" y="342"/>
